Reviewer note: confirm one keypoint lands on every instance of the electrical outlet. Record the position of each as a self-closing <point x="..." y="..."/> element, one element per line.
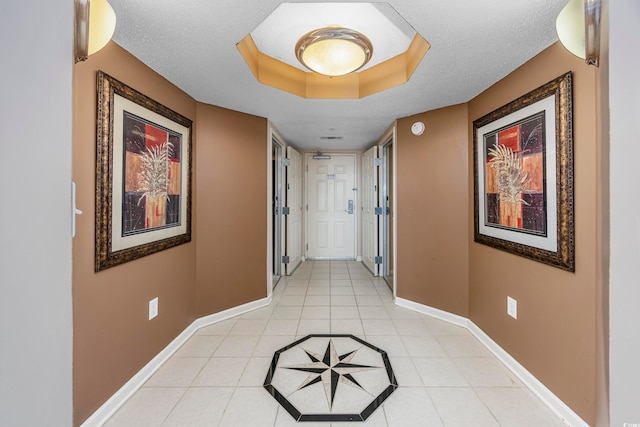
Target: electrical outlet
<point x="512" y="307"/>
<point x="153" y="308"/>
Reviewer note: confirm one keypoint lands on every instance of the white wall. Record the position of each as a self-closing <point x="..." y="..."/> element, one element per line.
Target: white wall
<point x="624" y="69"/>
<point x="36" y="38"/>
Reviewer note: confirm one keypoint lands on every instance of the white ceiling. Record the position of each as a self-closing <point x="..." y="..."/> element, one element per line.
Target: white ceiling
<point x="474" y="43"/>
<point x="277" y="35"/>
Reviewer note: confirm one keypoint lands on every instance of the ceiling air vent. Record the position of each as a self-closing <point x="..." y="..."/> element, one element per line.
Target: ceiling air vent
<point x="332" y="138"/>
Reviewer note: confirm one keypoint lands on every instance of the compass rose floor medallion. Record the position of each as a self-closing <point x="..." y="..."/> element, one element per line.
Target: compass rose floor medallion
<point x="324" y="377"/>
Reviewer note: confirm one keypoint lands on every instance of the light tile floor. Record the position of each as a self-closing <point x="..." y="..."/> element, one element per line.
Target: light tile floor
<point x="445" y="376"/>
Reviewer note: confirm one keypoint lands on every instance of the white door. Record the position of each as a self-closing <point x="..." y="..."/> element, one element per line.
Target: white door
<point x="331" y="207"/>
<point x="369" y="194"/>
<point x="294" y="203"/>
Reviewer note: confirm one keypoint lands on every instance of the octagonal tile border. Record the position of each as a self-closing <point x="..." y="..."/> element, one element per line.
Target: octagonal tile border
<point x="330" y="417"/>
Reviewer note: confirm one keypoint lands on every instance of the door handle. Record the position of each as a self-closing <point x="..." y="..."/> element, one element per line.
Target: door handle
<point x="350" y="207"/>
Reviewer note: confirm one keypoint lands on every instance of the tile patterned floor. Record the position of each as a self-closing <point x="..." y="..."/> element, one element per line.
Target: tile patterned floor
<point x="445" y="376"/>
<point x="330" y="378"/>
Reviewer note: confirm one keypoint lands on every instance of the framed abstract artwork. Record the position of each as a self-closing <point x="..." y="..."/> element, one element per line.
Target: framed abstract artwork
<point x="143" y="175"/>
<point x="523" y="176"/>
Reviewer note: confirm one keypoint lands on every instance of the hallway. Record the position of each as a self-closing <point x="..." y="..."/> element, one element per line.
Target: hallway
<point x="445" y="376"/>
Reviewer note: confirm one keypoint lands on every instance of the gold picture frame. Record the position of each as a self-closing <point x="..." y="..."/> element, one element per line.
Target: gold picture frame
<point x="143" y="175"/>
<point x="523" y="176"/>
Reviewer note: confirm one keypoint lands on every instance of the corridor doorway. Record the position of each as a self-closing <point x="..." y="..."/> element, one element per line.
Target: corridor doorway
<point x="331" y="206"/>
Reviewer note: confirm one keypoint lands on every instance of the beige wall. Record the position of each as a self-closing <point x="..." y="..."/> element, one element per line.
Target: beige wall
<point x="113" y="339"/>
<point x="231" y="194"/>
<point x="554" y="335"/>
<point x="438" y="263"/>
<point x="432" y="216"/>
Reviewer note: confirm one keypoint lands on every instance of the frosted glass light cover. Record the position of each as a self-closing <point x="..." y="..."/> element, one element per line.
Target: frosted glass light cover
<point x="570" y="27"/>
<point x="102" y="24"/>
<point x="334" y="51"/>
<point x="333" y="57"/>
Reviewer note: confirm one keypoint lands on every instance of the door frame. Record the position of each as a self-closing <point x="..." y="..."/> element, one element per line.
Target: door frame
<point x="389" y="139"/>
<point x="308" y="156"/>
<point x="274" y="142"/>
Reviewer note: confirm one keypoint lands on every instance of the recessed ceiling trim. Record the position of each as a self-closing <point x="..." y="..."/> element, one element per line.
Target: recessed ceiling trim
<point x="278" y="33"/>
<point x="387" y="74"/>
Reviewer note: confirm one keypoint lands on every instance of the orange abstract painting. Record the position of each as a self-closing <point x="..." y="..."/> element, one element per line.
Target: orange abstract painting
<point x="514" y="175"/>
<point x="151" y="176"/>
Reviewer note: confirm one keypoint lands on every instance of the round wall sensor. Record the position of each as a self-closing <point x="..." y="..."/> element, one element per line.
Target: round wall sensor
<point x="417" y="128"/>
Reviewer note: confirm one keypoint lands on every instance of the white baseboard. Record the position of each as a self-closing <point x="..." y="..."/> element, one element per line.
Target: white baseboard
<point x="107" y="410"/>
<point x="118" y="399"/>
<point x="359" y="259"/>
<point x="433" y="312"/>
<point x="552" y="401"/>
<point x="566" y="414"/>
<point x="231" y="312"/>
<point x="110" y="407"/>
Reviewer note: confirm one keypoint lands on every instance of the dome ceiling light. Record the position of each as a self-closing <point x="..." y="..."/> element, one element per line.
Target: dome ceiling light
<point x="334" y="51"/>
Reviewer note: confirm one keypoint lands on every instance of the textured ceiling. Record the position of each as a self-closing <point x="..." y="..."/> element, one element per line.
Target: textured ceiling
<point x="279" y="32"/>
<point x="192" y="43"/>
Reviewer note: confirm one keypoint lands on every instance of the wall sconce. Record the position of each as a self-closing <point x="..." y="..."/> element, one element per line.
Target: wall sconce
<point x="578" y="27"/>
<point x="95" y="24"/>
